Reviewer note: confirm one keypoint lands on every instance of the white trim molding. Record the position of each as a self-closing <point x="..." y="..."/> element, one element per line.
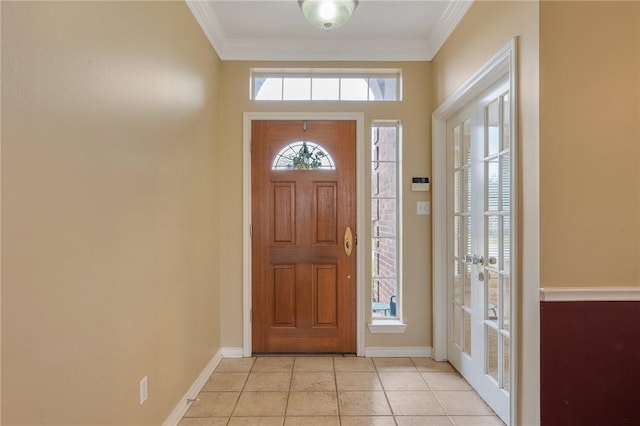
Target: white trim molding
<point x="583" y="294"/>
<point x="281" y="49"/>
<point x="502" y="63"/>
<point x="232" y="352"/>
<point x="248" y="117"/>
<point x="387" y="326"/>
<point x="209" y="23"/>
<point x="398" y="351"/>
<point x="446" y="24"/>
<point x="191" y="394"/>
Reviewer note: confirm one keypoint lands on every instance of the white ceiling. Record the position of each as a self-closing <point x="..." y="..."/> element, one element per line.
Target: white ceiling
<point x="379" y="30"/>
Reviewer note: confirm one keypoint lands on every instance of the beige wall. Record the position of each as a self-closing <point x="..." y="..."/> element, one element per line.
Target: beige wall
<point x="486" y="28"/>
<point x="413" y="111"/>
<point x="590" y="143"/>
<point x="109" y="243"/>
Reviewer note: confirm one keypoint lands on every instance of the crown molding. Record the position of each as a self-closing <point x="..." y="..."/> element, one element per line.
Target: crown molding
<point x="449" y="20"/>
<point x="317" y="50"/>
<point x="208" y="21"/>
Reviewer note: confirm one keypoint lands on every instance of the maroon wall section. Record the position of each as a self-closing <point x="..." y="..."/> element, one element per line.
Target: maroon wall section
<point x="590" y="363"/>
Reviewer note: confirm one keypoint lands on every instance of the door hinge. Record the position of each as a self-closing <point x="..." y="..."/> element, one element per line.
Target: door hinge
<point x="251" y="315"/>
<point x="356" y="240"/>
<point x="250" y="231"/>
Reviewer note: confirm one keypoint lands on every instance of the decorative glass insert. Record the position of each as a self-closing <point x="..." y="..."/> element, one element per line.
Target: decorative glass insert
<point x="303" y="155"/>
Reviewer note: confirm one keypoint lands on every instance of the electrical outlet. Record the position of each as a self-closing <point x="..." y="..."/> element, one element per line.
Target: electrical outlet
<point x="144" y="390"/>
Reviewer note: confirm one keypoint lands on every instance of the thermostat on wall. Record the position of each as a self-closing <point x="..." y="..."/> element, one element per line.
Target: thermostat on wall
<point x="420" y="184"/>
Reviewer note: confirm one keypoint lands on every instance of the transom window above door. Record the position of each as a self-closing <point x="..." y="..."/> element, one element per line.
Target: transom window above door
<point x="326" y="85"/>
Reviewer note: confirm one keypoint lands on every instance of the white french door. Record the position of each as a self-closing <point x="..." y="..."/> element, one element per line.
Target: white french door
<point x="479" y="273"/>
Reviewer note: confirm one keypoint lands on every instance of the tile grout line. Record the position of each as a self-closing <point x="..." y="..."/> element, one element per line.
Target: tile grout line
<point x="434" y="393"/>
<point x="286" y="406"/>
<point x="241" y="391"/>
<point x="335" y="382"/>
<point x="384" y="391"/>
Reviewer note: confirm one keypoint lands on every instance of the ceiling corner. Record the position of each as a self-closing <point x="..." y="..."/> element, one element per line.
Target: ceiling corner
<point x="451" y="17"/>
<point x="209" y="23"/>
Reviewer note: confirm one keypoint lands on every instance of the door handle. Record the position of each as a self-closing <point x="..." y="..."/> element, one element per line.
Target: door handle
<point x="473" y="259"/>
<point x="348" y="241"/>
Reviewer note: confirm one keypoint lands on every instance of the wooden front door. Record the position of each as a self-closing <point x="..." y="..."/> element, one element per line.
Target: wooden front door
<point x="303" y="201"/>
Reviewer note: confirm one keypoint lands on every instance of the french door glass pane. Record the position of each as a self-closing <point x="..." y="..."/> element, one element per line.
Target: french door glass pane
<point x="457" y="147"/>
<point x="457" y="282"/>
<point x="466" y="235"/>
<point x="456" y="237"/>
<point x="505" y="190"/>
<point x="467" y="285"/>
<point x="491" y="352"/>
<point x="493" y="127"/>
<point x="457" y="175"/>
<point x="506" y="122"/>
<point x="492" y="292"/>
<point x="493" y="184"/>
<point x="506" y="352"/>
<point x="457" y="325"/>
<point x="467" y="332"/>
<point x="506" y="243"/>
<point x="465" y="198"/>
<point x="506" y="302"/>
<point x="493" y="237"/>
<point x="466" y="141"/>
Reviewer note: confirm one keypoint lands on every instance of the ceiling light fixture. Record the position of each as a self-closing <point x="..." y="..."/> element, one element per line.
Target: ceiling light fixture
<point x="327" y="14"/>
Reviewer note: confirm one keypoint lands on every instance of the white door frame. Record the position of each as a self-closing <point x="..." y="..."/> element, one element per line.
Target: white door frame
<point x="248" y="117"/>
<point x="502" y="63"/>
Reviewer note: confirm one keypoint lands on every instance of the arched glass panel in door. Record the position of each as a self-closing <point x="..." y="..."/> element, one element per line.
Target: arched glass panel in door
<point x="303" y="155"/>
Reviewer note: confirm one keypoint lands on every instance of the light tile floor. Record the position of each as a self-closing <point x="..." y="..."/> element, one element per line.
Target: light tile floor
<point x="337" y="391"/>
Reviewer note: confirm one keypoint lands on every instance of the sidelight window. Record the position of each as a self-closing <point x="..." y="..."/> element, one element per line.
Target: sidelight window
<point x="385" y="220"/>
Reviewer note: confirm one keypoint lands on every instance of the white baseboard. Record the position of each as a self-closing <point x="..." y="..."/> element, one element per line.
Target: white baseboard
<point x="576" y="294"/>
<point x="232" y="352"/>
<point x="182" y="407"/>
<point x="398" y="352"/>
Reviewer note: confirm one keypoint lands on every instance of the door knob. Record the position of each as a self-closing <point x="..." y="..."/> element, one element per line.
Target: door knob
<point x="473" y="259"/>
<point x="348" y="241"/>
